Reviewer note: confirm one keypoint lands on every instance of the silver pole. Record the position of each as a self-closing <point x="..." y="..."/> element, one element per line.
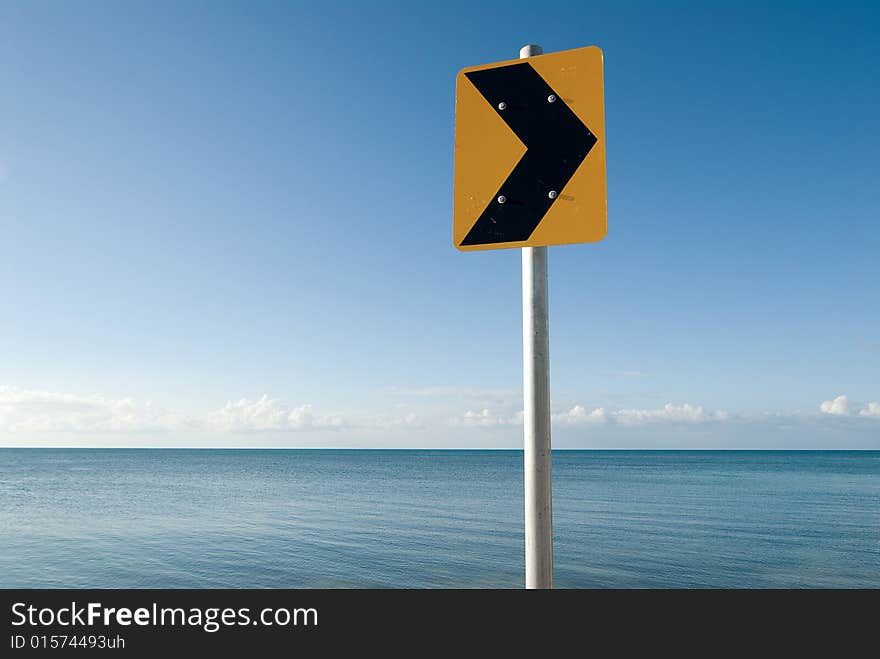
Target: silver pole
<point x="536" y="416"/>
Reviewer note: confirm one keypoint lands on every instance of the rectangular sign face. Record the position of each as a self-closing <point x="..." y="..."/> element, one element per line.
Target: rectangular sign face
<point x="530" y="152"/>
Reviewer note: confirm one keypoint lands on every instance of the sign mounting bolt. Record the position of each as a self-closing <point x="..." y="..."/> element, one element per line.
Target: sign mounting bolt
<point x="502" y="105"/>
<point x="551" y="98"/>
<point x="501" y="199"/>
<point x="552" y="194"/>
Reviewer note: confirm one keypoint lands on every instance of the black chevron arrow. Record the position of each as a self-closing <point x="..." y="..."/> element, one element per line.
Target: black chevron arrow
<point x="557" y="142"/>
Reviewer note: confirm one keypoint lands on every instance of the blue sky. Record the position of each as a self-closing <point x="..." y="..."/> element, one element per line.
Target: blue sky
<point x="229" y="224"/>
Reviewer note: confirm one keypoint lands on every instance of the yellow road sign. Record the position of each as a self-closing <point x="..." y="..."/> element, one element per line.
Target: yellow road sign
<point x="530" y="152"/>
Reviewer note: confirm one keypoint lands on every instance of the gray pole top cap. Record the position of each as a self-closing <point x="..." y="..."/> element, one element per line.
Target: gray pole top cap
<point x="530" y="50"/>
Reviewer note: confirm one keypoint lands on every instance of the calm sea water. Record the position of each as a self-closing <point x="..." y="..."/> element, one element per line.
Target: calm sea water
<point x="289" y="518"/>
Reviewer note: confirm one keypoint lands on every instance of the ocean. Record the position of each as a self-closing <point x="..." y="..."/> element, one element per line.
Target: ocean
<point x="150" y="518"/>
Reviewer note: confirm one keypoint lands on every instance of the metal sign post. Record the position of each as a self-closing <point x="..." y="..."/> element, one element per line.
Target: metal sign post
<point x="536" y="410"/>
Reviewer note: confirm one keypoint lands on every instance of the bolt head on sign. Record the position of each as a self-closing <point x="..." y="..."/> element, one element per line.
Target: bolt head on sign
<point x="531" y="132"/>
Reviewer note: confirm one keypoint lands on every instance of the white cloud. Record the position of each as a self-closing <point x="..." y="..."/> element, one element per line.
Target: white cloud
<point x="268" y="414"/>
<point x="26" y="410"/>
<point x="481" y="418"/>
<point x="579" y="416"/>
<point x="843" y="406"/>
<point x="873" y="409"/>
<point x="486" y="418"/>
<point x="840" y="406"/>
<point x="669" y="413"/>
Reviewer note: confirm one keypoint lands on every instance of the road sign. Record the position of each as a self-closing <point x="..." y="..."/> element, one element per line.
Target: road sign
<point x="530" y="152"/>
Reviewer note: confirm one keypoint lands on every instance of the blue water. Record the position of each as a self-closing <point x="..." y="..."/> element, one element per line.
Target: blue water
<point x="227" y="518"/>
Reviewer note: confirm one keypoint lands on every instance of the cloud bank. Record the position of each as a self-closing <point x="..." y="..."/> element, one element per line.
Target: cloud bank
<point x="31" y="417"/>
<point x="578" y="415"/>
<point x="31" y="411"/>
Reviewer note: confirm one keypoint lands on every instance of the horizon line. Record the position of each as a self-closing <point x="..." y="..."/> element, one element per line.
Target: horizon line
<point x="424" y="448"/>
